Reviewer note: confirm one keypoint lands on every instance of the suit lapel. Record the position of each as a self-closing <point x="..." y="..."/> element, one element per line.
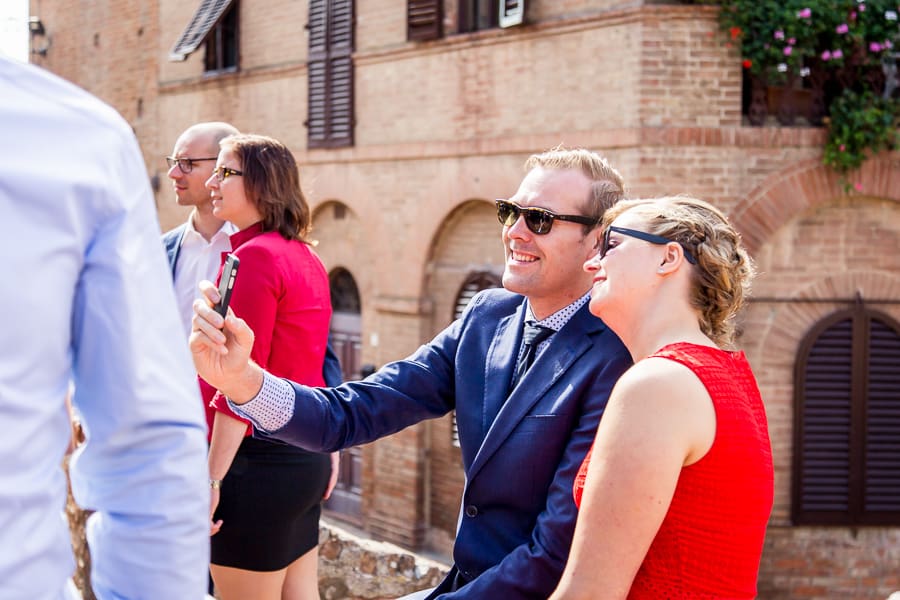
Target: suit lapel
<point x="501" y="359"/>
<point x="566" y="346"/>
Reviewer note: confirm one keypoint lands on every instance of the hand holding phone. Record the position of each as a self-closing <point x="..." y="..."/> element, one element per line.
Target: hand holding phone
<point x="226" y="284"/>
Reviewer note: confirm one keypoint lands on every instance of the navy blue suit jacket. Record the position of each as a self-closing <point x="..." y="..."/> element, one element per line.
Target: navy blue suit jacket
<point x="331" y="369"/>
<point x="520" y="453"/>
<point x="172" y="241"/>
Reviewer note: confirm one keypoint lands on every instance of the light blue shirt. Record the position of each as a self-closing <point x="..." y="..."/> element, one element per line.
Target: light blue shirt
<point x="87" y="297"/>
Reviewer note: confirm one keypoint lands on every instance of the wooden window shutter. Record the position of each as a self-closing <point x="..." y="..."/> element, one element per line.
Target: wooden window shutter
<point x="512" y="12"/>
<point x="330" y="74"/>
<point x="205" y="18"/>
<point x="823" y="419"/>
<point x="317" y="61"/>
<point x="847" y="422"/>
<point x="340" y="80"/>
<point x="424" y="20"/>
<point x="882" y="442"/>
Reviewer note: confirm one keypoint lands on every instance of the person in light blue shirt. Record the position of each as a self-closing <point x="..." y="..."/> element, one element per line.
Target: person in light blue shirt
<point x="87" y="298"/>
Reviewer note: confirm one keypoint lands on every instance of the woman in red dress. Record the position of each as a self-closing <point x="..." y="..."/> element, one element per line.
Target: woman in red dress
<point x="266" y="495"/>
<point x="676" y="492"/>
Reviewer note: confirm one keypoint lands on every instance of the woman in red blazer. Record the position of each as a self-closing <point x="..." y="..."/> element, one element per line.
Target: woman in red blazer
<point x="266" y="495"/>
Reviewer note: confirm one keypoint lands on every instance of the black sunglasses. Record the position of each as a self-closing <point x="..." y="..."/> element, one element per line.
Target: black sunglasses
<point x="185" y="164"/>
<point x="538" y="220"/>
<point x="647" y="237"/>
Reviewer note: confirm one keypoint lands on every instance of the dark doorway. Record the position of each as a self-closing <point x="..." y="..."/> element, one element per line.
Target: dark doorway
<point x="346" y="339"/>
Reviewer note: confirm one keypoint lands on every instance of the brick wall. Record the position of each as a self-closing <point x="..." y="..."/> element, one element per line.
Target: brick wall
<point x="443" y="128"/>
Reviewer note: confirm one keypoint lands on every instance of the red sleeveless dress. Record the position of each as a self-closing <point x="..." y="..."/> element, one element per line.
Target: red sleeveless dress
<point x="710" y="541"/>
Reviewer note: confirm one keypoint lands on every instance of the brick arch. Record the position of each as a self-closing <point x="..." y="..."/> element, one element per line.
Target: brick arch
<point x="804" y="185"/>
<point x="794" y="320"/>
<point x="773" y="339"/>
<point x="467" y="240"/>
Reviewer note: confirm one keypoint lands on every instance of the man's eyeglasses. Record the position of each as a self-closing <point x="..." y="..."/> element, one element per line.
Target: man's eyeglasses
<point x="538" y="220"/>
<point x="647" y="237"/>
<point x="185" y="164"/>
<point x="223" y="173"/>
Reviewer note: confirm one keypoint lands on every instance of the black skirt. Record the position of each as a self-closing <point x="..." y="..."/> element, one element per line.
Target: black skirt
<point x="269" y="505"/>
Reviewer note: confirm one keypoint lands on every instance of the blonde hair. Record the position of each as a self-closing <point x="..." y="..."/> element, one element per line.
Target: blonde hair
<point x="724" y="271"/>
<point x="607" y="186"/>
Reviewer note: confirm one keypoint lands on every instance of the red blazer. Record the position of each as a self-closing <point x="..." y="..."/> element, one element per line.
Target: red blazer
<point x="282" y="292"/>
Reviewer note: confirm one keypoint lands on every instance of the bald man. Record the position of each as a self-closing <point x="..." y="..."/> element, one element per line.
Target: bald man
<point x="195" y="247"/>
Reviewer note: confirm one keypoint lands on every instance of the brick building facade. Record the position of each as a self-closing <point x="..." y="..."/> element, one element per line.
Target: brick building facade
<point x="438" y="128"/>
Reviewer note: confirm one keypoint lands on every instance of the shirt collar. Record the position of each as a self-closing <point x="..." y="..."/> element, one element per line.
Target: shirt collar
<point x="557" y="320"/>
<point x="227" y="229"/>
<point x="245" y="235"/>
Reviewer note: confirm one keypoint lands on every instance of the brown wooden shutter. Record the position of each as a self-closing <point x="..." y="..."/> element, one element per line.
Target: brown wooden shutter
<point x="317" y="61"/>
<point x="206" y="17"/>
<point x="882" y="443"/>
<point x="424" y="20"/>
<point x="330" y="74"/>
<point x="847" y="422"/>
<point x="822" y="479"/>
<point x="341" y="73"/>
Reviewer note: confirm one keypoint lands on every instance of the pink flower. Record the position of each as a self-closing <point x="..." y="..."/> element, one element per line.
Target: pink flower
<point x="826" y="56"/>
<point x="837" y="54"/>
<point x="862" y="8"/>
<point x="779" y="35"/>
<point x="842" y="147"/>
<point x="874" y="47"/>
<point x="792" y="41"/>
<point x="804" y="14"/>
<point x="888" y="44"/>
<point x="842" y="28"/>
<point x="857" y="186"/>
<point x="788" y="50"/>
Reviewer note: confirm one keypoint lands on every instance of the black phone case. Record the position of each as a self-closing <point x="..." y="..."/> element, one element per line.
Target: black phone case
<point x="226" y="284"/>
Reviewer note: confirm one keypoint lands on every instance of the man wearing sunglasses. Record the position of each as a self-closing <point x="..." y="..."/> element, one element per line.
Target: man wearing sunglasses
<point x="528" y="370"/>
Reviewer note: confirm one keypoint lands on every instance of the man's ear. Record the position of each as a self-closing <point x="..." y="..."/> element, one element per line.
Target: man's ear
<point x="595" y="237"/>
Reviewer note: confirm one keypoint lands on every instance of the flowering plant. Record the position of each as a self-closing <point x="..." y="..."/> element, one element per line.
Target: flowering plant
<point x="852" y="45"/>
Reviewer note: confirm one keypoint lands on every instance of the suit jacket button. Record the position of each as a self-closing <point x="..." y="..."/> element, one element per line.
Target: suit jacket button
<point x="471" y="510"/>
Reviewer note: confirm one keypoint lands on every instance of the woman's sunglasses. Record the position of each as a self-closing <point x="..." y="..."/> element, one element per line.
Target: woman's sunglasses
<point x="538" y="220"/>
<point x="642" y="235"/>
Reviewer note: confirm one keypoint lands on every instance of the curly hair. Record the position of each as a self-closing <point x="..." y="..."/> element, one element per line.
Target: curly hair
<point x="607" y="186"/>
<point x="724" y="271"/>
<point x="272" y="183"/>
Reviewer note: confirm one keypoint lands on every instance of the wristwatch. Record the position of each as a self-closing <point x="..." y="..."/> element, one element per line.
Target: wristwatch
<point x="215" y="484"/>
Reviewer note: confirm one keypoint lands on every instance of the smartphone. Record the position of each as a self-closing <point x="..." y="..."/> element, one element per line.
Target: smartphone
<point x="226" y="283"/>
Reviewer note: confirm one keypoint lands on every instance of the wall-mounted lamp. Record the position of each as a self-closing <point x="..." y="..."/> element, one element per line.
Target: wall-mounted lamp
<point x="35" y="26"/>
<point x="36" y="29"/>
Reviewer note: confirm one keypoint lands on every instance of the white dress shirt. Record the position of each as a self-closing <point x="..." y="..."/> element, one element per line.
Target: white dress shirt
<point x="198" y="260"/>
<point x="87" y="297"/>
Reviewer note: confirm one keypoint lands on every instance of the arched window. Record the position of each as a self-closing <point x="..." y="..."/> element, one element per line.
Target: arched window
<point x="344" y="293"/>
<point x="847" y="421"/>
<point x="474" y="283"/>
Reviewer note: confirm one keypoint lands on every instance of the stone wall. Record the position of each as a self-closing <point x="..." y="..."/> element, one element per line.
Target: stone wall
<point x="355" y="568"/>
